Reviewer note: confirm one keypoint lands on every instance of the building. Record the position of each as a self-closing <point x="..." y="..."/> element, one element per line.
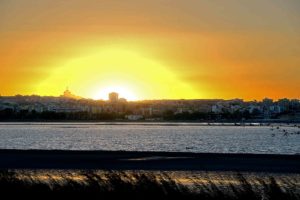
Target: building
<point x="68" y="95"/>
<point x="217" y="108"/>
<point x="122" y="100"/>
<point x="275" y="109"/>
<point x="134" y="117"/>
<point x="267" y="102"/>
<point x="255" y="109"/>
<point x="113" y="97"/>
<point x="284" y="104"/>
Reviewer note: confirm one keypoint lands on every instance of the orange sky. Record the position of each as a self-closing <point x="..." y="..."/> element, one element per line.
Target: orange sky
<point x="151" y="49"/>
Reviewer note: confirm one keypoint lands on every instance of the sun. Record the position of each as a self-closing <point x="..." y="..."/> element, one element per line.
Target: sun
<point x="123" y="91"/>
<point x="132" y="74"/>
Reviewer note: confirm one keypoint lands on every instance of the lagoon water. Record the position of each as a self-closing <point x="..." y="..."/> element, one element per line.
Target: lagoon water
<point x="179" y="137"/>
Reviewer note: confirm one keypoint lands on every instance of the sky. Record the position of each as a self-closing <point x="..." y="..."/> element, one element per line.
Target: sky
<point x="158" y="49"/>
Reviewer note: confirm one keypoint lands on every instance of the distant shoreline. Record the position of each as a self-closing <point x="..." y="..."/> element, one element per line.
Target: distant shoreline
<point x="159" y="123"/>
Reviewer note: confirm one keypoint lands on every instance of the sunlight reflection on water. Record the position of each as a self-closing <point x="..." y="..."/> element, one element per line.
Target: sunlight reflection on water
<point x="135" y="137"/>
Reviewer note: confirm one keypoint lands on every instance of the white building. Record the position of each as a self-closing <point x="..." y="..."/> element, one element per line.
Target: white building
<point x="134" y="117"/>
<point x="251" y="108"/>
<point x="217" y="108"/>
<point x="276" y="109"/>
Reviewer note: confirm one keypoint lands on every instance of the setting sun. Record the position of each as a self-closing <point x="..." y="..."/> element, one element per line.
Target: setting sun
<point x="123" y="92"/>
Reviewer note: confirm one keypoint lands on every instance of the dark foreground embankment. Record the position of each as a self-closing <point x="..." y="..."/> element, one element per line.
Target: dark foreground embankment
<point x="163" y="161"/>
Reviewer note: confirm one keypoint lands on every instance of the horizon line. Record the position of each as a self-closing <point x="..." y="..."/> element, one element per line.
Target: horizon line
<point x="161" y="99"/>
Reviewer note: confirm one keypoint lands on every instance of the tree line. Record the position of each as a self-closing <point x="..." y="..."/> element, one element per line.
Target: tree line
<point x="169" y="115"/>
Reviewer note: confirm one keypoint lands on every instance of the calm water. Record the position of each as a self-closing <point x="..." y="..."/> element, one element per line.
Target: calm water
<point x="150" y="137"/>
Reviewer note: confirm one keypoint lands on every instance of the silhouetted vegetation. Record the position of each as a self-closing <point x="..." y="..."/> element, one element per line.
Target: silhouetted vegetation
<point x="9" y="114"/>
<point x="25" y="115"/>
<point x="139" y="185"/>
<point x="235" y="116"/>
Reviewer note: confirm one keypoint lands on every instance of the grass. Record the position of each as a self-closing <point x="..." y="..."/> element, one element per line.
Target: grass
<point x="141" y="185"/>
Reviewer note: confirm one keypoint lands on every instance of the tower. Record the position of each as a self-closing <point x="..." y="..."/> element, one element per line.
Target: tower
<point x="113" y="97"/>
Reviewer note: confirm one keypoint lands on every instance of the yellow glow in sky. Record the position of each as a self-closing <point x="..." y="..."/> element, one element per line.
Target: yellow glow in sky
<point x="158" y="49"/>
<point x="112" y="69"/>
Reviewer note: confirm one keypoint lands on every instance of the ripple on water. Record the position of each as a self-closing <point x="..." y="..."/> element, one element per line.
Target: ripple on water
<point x="185" y="138"/>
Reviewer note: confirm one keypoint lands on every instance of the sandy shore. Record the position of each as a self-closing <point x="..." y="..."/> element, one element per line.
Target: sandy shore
<point x="166" y="161"/>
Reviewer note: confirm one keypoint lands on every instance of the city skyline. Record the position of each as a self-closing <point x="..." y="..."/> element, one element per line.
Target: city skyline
<point x="69" y="106"/>
<point x="151" y="50"/>
<point x="67" y="93"/>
